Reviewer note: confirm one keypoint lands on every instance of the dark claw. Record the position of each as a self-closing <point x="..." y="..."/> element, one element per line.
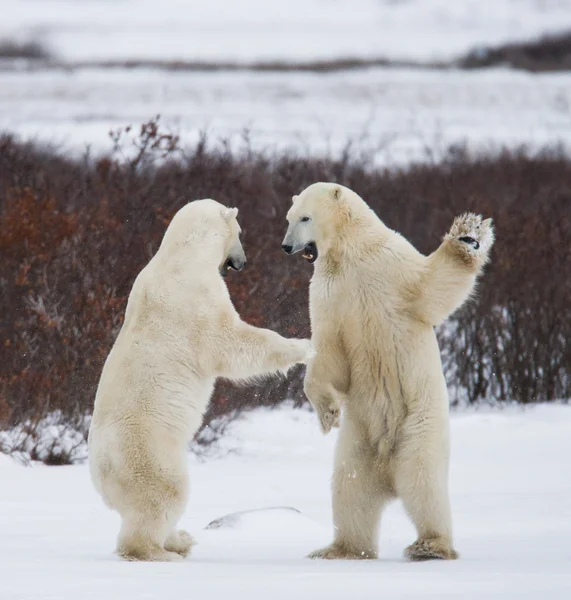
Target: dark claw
<point x="470" y="241"/>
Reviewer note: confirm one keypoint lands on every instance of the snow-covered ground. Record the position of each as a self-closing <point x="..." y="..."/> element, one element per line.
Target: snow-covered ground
<point x="402" y="114"/>
<point x="247" y="30"/>
<point x="511" y="496"/>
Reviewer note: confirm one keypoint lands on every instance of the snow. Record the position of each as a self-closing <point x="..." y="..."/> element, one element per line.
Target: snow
<point x="397" y="115"/>
<point x="511" y="497"/>
<point x="400" y="115"/>
<point x="268" y="30"/>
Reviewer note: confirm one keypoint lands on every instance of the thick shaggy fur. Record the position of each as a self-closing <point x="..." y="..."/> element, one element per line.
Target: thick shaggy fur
<point x="180" y="333"/>
<point x="374" y="302"/>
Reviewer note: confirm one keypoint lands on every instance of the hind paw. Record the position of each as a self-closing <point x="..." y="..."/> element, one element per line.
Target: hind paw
<point x="180" y="542"/>
<point x="430" y="550"/>
<point x="339" y="552"/>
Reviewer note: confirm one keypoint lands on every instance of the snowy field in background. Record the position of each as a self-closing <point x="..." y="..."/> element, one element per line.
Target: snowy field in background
<point x="396" y="113"/>
<point x="296" y="30"/>
<point x="511" y="497"/>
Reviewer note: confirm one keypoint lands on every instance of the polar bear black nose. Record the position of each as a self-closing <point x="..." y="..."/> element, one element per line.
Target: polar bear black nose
<point x="286" y="248"/>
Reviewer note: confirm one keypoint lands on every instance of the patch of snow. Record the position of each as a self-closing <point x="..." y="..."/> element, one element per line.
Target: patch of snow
<point x="511" y="499"/>
<point x="398" y="115"/>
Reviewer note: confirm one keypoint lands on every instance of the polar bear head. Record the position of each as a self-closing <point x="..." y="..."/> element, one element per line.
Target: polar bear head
<point x="317" y="218"/>
<point x="210" y="231"/>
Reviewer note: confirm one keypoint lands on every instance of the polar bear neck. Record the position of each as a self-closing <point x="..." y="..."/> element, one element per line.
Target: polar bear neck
<point x="195" y="251"/>
<point x="353" y="240"/>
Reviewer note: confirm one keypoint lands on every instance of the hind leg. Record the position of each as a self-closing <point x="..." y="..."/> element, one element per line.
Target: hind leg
<point x="151" y="510"/>
<point x="421" y="481"/>
<point x="360" y="491"/>
<point x="142" y="537"/>
<point x="150" y="523"/>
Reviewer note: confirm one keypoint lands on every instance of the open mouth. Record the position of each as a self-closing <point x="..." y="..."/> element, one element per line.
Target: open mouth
<point x="310" y="252"/>
<point x="227" y="266"/>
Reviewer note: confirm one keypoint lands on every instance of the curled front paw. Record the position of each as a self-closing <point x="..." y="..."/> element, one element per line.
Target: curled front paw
<point x="471" y="238"/>
<point x="329" y="415"/>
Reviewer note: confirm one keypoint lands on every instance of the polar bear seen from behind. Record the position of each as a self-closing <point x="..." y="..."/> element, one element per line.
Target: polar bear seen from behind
<point x="374" y="302"/>
<point x="180" y="333"/>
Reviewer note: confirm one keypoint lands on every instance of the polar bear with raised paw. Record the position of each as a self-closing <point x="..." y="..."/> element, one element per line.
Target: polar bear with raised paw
<point x="374" y="302"/>
<point x="180" y="333"/>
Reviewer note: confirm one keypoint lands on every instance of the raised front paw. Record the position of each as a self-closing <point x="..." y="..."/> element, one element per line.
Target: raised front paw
<point x="471" y="237"/>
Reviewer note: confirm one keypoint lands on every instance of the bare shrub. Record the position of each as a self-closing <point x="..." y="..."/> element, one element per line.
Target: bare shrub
<point x="54" y="440"/>
<point x="548" y="53"/>
<point x="75" y="233"/>
<point x="30" y="50"/>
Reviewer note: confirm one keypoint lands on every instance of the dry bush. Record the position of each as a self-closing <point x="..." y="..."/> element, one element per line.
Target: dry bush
<point x="75" y="233"/>
<point x="11" y="49"/>
<point x="548" y="53"/>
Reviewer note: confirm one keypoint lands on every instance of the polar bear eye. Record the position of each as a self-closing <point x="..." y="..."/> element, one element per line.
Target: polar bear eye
<point x="304" y="219"/>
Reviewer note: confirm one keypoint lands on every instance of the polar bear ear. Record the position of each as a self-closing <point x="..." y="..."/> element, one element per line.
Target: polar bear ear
<point x="343" y="208"/>
<point x="336" y="193"/>
<point x="229" y="213"/>
<point x="294" y="198"/>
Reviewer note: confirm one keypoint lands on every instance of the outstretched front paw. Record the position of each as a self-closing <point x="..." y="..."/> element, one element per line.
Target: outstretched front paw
<point x="471" y="238"/>
<point x="298" y="351"/>
<point x="303" y="351"/>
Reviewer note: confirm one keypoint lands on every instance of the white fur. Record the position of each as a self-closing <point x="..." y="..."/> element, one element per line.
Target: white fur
<point x="180" y="333"/>
<point x="374" y="300"/>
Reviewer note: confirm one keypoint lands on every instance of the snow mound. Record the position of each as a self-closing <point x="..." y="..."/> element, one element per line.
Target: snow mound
<point x="282" y="518"/>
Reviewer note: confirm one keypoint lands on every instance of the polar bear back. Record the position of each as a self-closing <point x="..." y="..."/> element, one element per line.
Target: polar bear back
<point x="164" y="353"/>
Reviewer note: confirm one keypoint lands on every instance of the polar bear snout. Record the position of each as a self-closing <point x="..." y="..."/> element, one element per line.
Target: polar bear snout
<point x="236" y="259"/>
<point x="297" y="239"/>
<point x="236" y="263"/>
<point x="309" y="250"/>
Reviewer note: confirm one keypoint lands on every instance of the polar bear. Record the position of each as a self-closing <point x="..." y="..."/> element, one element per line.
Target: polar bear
<point x="374" y="302"/>
<point x="180" y="333"/>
